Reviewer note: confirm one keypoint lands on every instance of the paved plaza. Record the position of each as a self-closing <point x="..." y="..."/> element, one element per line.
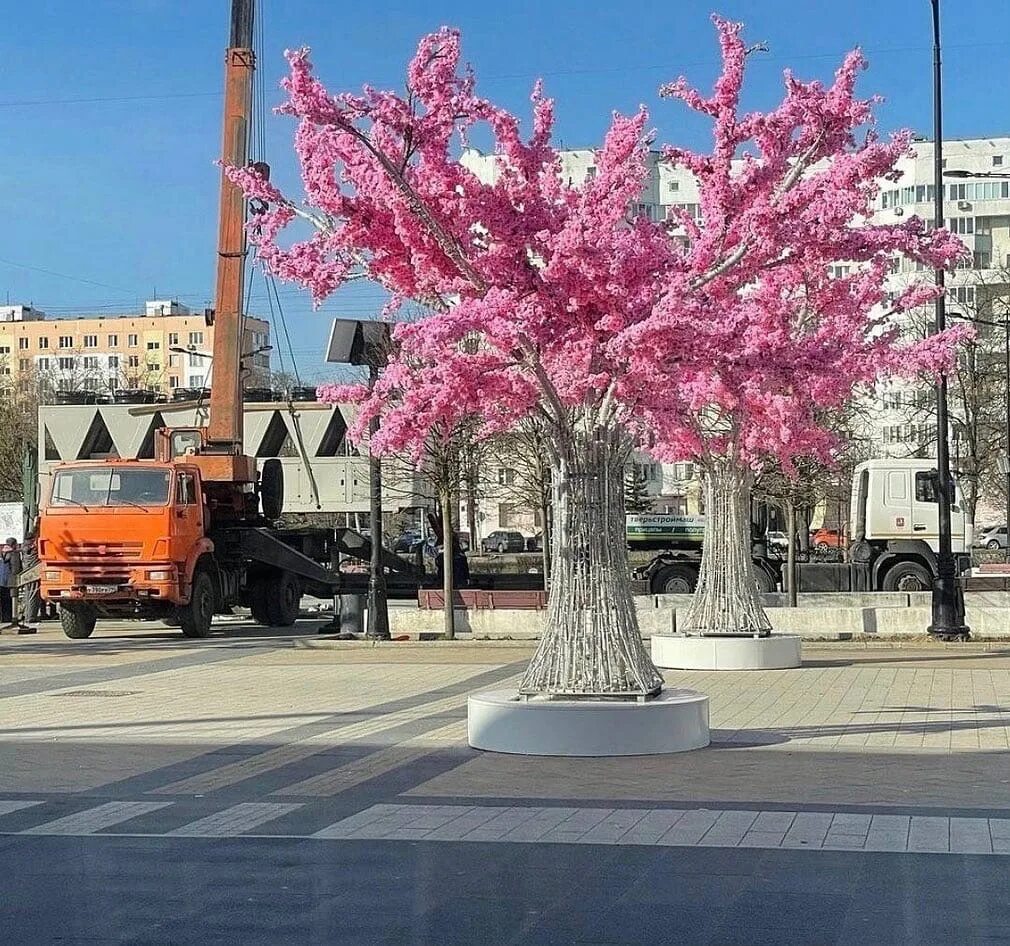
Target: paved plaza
<point x="276" y="789"/>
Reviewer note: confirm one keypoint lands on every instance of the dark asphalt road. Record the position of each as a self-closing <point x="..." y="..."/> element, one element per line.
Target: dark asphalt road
<point x="106" y="890"/>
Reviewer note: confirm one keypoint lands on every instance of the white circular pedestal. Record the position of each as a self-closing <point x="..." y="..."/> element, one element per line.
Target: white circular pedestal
<point x="674" y="721"/>
<point x="680" y="652"/>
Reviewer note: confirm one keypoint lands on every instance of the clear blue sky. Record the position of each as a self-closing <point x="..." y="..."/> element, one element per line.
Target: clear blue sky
<point x="121" y="194"/>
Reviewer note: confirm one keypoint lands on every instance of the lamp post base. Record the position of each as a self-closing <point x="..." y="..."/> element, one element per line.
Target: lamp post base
<point x="948" y="611"/>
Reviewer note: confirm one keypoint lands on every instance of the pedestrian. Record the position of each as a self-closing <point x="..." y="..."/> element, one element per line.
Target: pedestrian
<point x="9" y="558"/>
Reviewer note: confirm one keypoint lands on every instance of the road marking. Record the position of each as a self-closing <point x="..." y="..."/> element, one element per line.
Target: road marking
<point x="350" y="774"/>
<point x="234" y="820"/>
<point x="233" y="772"/>
<point x="95" y="819"/>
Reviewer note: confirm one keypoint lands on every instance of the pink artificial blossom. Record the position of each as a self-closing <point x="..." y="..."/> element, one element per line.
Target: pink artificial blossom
<point x="544" y="296"/>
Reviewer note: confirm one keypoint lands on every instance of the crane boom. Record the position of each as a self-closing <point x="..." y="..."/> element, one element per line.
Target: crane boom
<point x="224" y="433"/>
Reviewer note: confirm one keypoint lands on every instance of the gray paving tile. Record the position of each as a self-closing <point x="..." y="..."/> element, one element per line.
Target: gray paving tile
<point x="234" y="820"/>
<point x="95" y="819"/>
<point x="807" y="830"/>
<point x="887" y="833"/>
<point x="970" y="836"/>
<point x="691" y="828"/>
<point x="762" y="839"/>
<point x="929" y="834"/>
<point x="729" y="829"/>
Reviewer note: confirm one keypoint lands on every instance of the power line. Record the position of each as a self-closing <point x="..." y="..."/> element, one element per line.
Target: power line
<point x="26" y="103"/>
<point x="51" y="272"/>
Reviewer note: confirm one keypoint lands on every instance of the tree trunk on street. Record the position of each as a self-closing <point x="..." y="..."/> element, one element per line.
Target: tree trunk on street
<point x="448" y="604"/>
<point x="591" y="645"/>
<point x="546" y="538"/>
<point x="791" y="551"/>
<point x="726" y="600"/>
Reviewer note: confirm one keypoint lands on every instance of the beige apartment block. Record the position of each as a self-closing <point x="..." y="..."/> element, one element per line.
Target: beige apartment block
<point x="104" y="353"/>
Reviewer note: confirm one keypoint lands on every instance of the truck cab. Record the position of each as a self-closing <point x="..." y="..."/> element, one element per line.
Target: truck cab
<point x="895" y="523"/>
<point x="121" y="537"/>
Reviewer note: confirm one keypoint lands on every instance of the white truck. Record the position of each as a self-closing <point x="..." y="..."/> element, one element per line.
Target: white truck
<point x="894" y="525"/>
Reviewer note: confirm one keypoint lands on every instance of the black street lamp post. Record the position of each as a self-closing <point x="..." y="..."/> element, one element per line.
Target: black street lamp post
<point x="947" y="599"/>
<point x="365" y="342"/>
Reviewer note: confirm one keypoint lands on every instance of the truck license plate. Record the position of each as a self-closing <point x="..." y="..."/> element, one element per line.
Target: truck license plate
<point x="101" y="589"/>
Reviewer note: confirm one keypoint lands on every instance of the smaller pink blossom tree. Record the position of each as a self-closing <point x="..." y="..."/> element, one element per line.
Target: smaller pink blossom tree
<point x="774" y="336"/>
<point x="547" y="300"/>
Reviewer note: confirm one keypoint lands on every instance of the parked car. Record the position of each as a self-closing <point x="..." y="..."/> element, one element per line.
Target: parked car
<point x="993" y="538"/>
<point x="503" y="541"/>
<point x="777" y="540"/>
<point x="824" y="539"/>
<point x="407" y="542"/>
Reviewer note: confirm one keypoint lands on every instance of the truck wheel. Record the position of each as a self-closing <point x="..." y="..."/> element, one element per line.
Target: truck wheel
<point x="763" y="581"/>
<point x="992" y="544"/>
<point x="78" y="621"/>
<point x="258" y="602"/>
<point x="283" y="599"/>
<point x="195" y="618"/>
<point x="674" y="580"/>
<point x="907" y="576"/>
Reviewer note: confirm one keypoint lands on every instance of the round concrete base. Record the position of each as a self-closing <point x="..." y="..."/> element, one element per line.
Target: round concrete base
<point x="674" y="721"/>
<point x="679" y="652"/>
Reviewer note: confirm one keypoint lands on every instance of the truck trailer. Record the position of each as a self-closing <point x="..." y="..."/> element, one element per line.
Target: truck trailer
<point x="894" y="525"/>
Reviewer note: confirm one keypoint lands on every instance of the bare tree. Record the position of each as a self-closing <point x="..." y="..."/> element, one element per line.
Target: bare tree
<point x="978" y="388"/>
<point x="525" y="452"/>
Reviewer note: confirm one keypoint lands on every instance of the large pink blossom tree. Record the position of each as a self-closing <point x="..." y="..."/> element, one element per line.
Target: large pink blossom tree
<point x="548" y="299"/>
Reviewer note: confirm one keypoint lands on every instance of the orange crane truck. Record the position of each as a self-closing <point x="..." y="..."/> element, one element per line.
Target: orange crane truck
<point x="189" y="533"/>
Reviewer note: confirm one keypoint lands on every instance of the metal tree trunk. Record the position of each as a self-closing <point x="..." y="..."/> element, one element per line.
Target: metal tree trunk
<point x="726" y="600"/>
<point x="448" y="591"/>
<point x="591" y="645"/>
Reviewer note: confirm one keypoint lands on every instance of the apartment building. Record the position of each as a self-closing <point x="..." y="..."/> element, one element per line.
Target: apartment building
<point x="104" y="353"/>
<point x="977" y="209"/>
<point x="898" y="419"/>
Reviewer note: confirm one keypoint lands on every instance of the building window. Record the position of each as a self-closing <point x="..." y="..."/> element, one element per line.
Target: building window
<point x="23" y="344"/>
<point x="90" y="361"/>
<point x="43" y="343"/>
<point x="5" y="349"/>
<point x="196" y="338"/>
<point x="997" y="160"/>
<point x="173" y="381"/>
<point x="133" y="361"/>
<point x="113" y="383"/>
<point x="24" y="364"/>
<point x="195" y="361"/>
<point x="66" y="341"/>
<point x="196" y="380"/>
<point x="90" y="341"/>
<point x="173" y="361"/>
<point x="506" y="516"/>
<point x="153" y="346"/>
<point x="506" y="476"/>
<point x="113" y="361"/>
<point x="113" y="341"/>
<point x="131" y="341"/>
<point x="153" y="366"/>
<point x="673" y="186"/>
<point x="173" y="338"/>
<point x="43" y="364"/>
<point x="66" y="364"/>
